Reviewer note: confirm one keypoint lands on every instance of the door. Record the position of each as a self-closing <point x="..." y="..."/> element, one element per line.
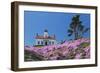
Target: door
<point x="46" y="43"/>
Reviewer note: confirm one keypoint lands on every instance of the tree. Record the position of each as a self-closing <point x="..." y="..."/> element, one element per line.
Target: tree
<point x="76" y="28"/>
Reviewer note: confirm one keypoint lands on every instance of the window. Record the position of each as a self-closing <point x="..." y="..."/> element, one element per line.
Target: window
<point x="38" y="42"/>
<point x="49" y="42"/>
<point x="52" y="42"/>
<point x="41" y="42"/>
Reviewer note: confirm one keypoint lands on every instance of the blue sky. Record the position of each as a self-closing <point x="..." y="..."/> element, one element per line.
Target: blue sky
<point x="55" y="22"/>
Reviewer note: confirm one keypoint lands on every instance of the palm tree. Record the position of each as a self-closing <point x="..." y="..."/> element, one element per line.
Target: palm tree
<point x="82" y="30"/>
<point x="76" y="28"/>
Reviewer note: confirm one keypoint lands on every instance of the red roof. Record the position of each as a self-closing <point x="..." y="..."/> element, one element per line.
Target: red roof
<point x="47" y="37"/>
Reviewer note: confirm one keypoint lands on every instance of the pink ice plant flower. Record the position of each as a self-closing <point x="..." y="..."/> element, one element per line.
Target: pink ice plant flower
<point x="52" y="52"/>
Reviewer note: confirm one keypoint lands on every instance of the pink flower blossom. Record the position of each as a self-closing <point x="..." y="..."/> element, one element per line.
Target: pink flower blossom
<point x="53" y="52"/>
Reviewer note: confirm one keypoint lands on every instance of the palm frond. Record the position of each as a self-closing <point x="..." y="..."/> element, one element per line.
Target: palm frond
<point x="70" y="31"/>
<point x="69" y="34"/>
<point x="87" y="29"/>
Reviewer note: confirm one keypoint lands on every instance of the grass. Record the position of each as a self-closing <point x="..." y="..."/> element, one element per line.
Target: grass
<point x="30" y="57"/>
<point x="38" y="45"/>
<point x="83" y="45"/>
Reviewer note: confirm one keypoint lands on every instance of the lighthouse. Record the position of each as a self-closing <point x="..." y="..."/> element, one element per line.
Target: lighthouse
<point x="45" y="39"/>
<point x="46" y="33"/>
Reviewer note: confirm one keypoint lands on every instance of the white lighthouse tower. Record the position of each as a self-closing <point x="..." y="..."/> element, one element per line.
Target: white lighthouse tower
<point x="46" y="33"/>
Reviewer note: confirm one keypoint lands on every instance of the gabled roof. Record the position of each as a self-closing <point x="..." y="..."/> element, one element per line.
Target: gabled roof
<point x="47" y="37"/>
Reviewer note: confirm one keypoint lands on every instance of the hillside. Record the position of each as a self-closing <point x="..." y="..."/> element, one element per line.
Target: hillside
<point x="74" y="49"/>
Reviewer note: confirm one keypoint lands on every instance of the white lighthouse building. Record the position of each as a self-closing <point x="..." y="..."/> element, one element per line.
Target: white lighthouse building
<point x="45" y="39"/>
